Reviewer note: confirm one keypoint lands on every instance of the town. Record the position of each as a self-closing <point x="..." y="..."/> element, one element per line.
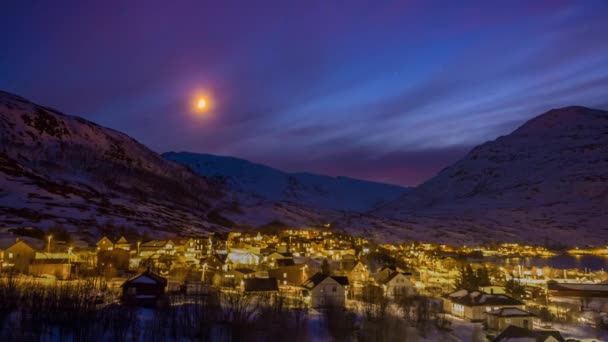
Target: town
<point x="440" y="289"/>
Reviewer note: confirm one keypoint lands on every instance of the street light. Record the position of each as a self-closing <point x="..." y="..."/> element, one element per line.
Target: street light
<point x="48" y="247"/>
<point x="203" y="275"/>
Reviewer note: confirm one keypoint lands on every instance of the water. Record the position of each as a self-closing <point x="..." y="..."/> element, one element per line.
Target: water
<point x="563" y="261"/>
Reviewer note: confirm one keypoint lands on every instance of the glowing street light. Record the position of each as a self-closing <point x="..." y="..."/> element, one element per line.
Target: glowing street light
<point x="48" y="247"/>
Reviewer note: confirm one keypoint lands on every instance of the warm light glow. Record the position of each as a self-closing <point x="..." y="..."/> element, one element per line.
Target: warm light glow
<point x="202" y="104"/>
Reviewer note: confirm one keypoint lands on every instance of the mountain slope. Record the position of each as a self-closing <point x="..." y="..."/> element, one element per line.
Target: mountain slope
<point x="545" y="182"/>
<point x="57" y="168"/>
<point x="266" y="183"/>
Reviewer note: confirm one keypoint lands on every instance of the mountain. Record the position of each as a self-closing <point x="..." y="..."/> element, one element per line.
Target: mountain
<point x="545" y="182"/>
<point x="61" y="169"/>
<point x="306" y="189"/>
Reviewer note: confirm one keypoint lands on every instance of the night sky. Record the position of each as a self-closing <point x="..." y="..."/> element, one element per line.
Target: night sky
<point x="380" y="90"/>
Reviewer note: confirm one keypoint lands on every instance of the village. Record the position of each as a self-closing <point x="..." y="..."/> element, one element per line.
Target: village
<point x="317" y="269"/>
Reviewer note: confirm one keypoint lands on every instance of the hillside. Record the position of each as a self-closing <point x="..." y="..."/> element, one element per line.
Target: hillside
<point x="61" y="169"/>
<point x="545" y="182"/>
<point x="269" y="184"/>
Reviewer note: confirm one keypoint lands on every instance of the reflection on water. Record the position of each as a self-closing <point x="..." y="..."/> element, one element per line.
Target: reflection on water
<point x="564" y="261"/>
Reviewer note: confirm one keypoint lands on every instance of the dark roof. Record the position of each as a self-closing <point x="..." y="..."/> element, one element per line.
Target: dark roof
<point x="554" y="286"/>
<point x="480" y="298"/>
<point x="261" y="285"/>
<point x="148" y="274"/>
<point x="285" y="262"/>
<point x="390" y="277"/>
<point x="538" y="335"/>
<point x="318" y="277"/>
<point x="395" y="269"/>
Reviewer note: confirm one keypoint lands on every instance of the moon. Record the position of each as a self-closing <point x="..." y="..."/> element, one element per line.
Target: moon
<point x="201" y="104"/>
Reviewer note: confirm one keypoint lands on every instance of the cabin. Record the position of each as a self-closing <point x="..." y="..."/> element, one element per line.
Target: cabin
<point x="149" y="248"/>
<point x="473" y="305"/>
<point x="502" y="318"/>
<point x="397" y="284"/>
<point x="123" y="244"/>
<point x="357" y="274"/>
<point x="59" y="265"/>
<point x="145" y="289"/>
<point x="187" y="247"/>
<point x="243" y="257"/>
<point x="117" y="258"/>
<point x="513" y="333"/>
<point x="293" y="275"/>
<point x="105" y="244"/>
<point x="272" y="258"/>
<point x="236" y="276"/>
<point x="590" y="296"/>
<point x="260" y="286"/>
<point x="323" y="290"/>
<point x="16" y="256"/>
<point x="387" y="271"/>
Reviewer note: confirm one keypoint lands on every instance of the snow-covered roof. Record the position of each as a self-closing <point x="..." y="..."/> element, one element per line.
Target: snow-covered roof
<point x="510" y="312"/>
<point x="478" y="298"/>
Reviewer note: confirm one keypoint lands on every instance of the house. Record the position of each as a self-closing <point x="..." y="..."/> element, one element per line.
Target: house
<point x="292" y="275"/>
<point x="144" y="289"/>
<point x="267" y="286"/>
<point x="210" y="265"/>
<point x="122" y="243"/>
<point x="150" y="248"/>
<point x="590" y="296"/>
<point x="358" y="274"/>
<point x="502" y="318"/>
<point x="59" y="265"/>
<point x="272" y="258"/>
<point x="243" y="257"/>
<point x="397" y="284"/>
<point x="513" y="333"/>
<point x="105" y="244"/>
<point x="387" y="271"/>
<point x="17" y="256"/>
<point x="236" y="276"/>
<point x="473" y="305"/>
<point x="323" y="290"/>
<point x="284" y="262"/>
<point x="117" y="258"/>
<point x="187" y="247"/>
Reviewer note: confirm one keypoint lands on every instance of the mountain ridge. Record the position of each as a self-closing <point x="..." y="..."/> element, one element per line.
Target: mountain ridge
<point x="309" y="189"/>
<point x="547" y="180"/>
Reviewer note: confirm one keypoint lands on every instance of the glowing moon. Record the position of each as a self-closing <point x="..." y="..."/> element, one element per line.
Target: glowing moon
<point x="201" y="104"/>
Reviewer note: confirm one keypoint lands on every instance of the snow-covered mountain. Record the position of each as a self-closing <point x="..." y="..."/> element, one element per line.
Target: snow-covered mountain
<point x="311" y="190"/>
<point x="545" y="182"/>
<point x="56" y="168"/>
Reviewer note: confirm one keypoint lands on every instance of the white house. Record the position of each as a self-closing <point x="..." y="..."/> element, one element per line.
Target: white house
<point x="243" y="257"/>
<point x="323" y="290"/>
<point x="473" y="305"/>
<point x="397" y="284"/>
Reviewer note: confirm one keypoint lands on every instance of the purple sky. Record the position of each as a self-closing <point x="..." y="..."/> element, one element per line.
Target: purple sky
<point x="380" y="90"/>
